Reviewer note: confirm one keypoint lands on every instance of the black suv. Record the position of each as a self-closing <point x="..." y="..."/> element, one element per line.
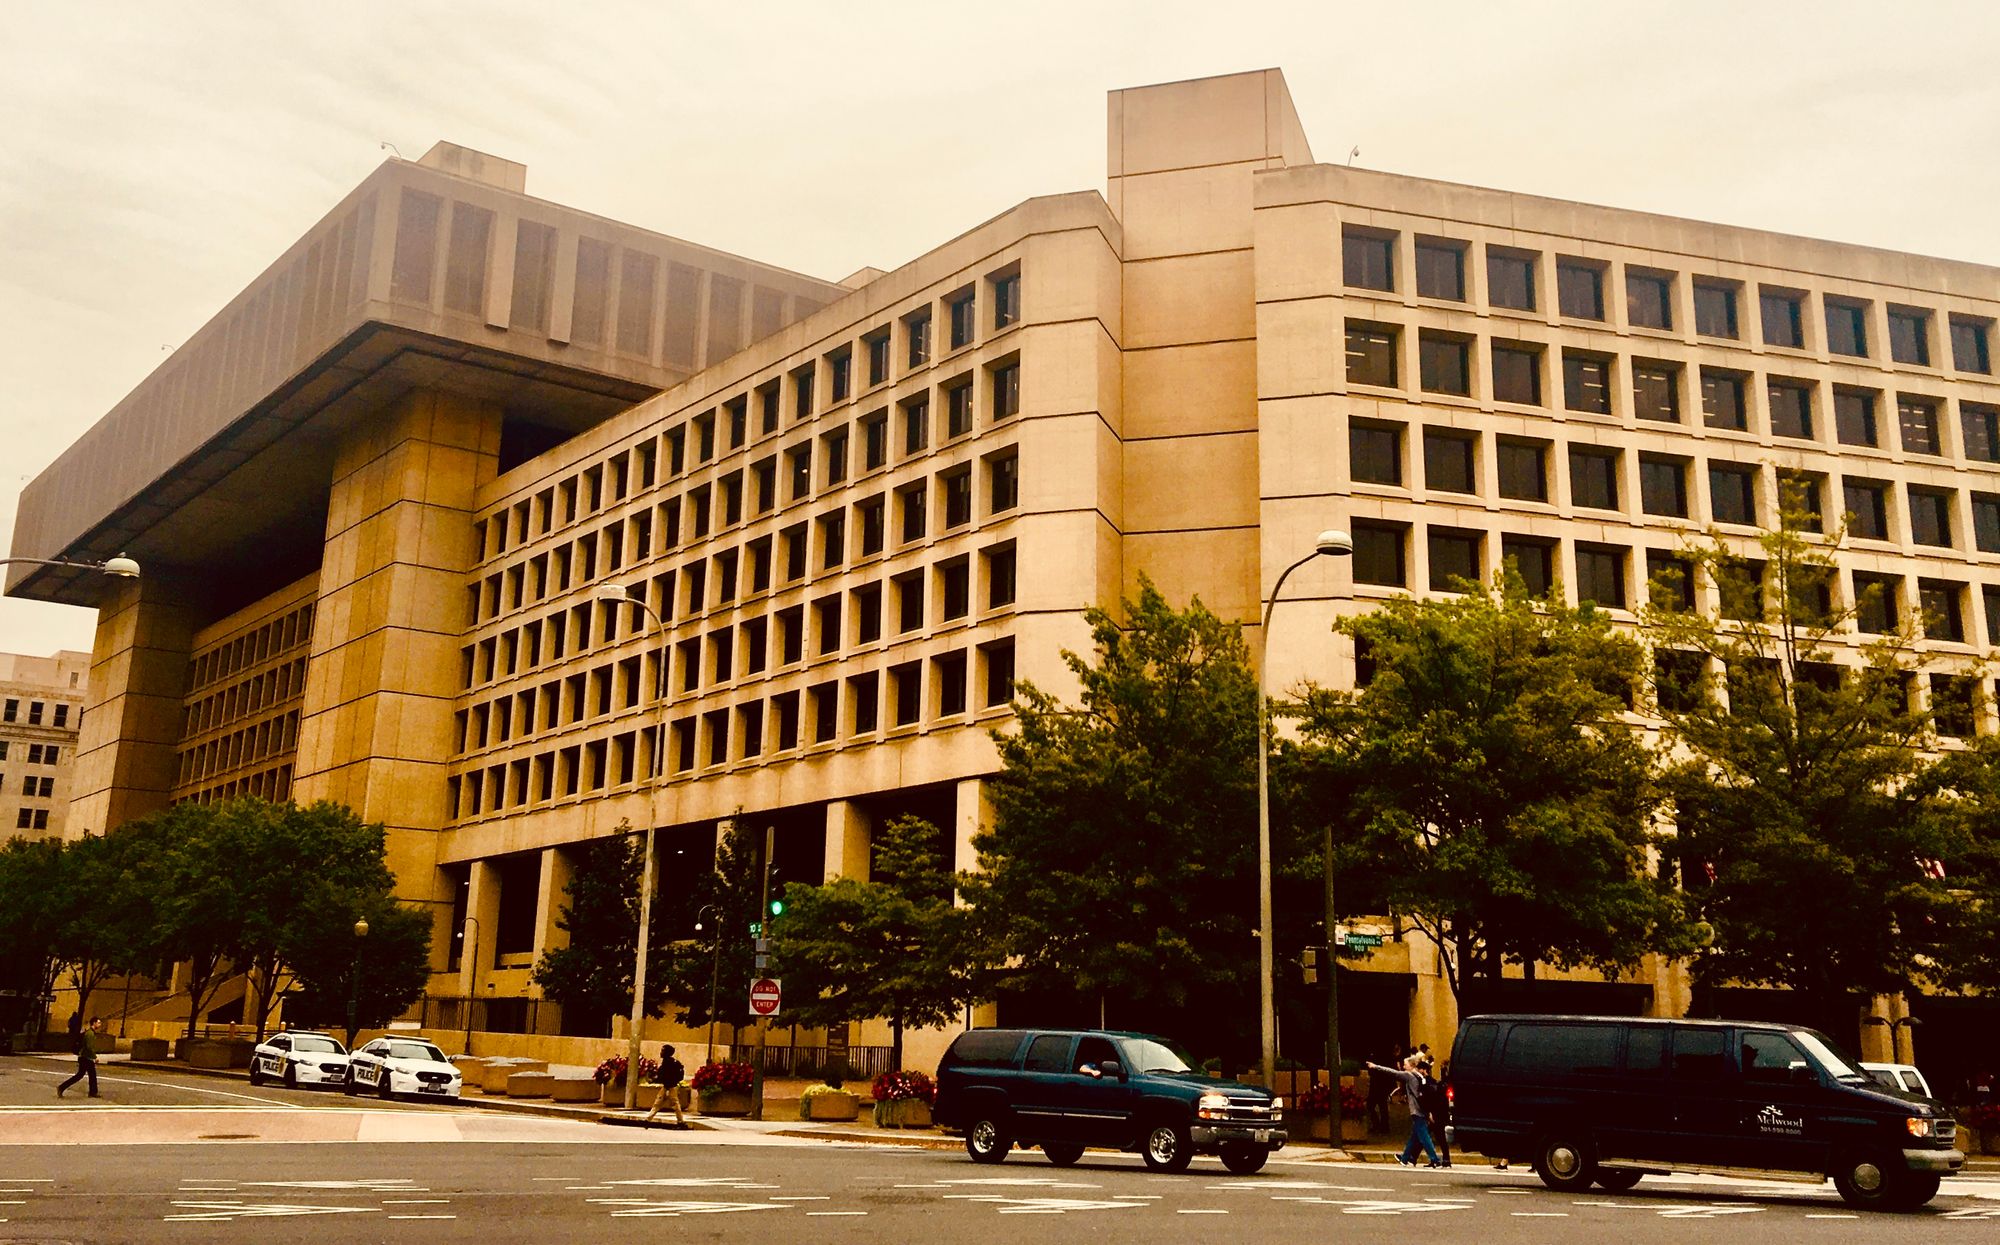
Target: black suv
<point x="1066" y="1089"/>
<point x="1606" y="1101"/>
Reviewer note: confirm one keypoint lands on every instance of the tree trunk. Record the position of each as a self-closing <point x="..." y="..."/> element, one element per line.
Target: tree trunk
<point x="896" y="1043"/>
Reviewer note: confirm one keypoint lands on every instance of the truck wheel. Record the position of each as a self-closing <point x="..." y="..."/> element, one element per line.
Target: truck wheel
<point x="1242" y="1158"/>
<point x="1168" y="1148"/>
<point x="1062" y="1153"/>
<point x="1564" y="1162"/>
<point x="1618" y="1181"/>
<point x="987" y="1142"/>
<point x="1878" y="1182"/>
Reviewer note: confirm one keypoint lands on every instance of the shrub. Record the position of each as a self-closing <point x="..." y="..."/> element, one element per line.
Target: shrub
<point x="1984" y="1116"/>
<point x="901" y="1086"/>
<point x="811" y="1092"/>
<point x="613" y="1069"/>
<point x="714" y="1077"/>
<point x="1314" y="1101"/>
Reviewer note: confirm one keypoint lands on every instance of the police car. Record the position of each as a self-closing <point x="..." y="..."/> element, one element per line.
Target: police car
<point x="402" y="1065"/>
<point x="299" y="1058"/>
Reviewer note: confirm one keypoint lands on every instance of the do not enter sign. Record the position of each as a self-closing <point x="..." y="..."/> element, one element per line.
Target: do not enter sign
<point x="765" y="996"/>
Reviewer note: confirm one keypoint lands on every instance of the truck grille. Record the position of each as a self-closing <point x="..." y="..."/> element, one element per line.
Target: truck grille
<point x="433" y="1078"/>
<point x="1947" y="1130"/>
<point x="1241" y="1112"/>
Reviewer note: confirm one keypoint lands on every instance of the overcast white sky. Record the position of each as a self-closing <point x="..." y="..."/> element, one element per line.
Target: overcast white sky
<point x="155" y="155"/>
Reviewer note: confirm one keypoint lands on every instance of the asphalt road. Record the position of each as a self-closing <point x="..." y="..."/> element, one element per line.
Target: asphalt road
<point x="225" y="1171"/>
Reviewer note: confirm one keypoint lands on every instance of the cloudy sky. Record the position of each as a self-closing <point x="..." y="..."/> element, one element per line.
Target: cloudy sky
<point x="155" y="155"/>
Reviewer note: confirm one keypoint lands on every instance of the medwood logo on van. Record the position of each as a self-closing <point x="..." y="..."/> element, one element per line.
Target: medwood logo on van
<point x="1772" y="1119"/>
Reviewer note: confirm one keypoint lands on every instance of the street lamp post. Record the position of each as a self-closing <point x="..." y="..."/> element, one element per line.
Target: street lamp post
<point x="1334" y="544"/>
<point x="354" y="981"/>
<point x="714" y="973"/>
<point x="620" y="594"/>
<point x="120" y="567"/>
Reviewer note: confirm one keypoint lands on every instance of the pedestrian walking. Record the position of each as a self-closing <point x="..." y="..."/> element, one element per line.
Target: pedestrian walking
<point x="1378" y="1093"/>
<point x="1437" y="1110"/>
<point x="87" y="1045"/>
<point x="669" y="1076"/>
<point x="1411" y="1080"/>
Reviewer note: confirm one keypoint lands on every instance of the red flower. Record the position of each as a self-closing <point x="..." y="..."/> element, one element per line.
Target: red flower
<point x="711" y="1077"/>
<point x="902" y="1086"/>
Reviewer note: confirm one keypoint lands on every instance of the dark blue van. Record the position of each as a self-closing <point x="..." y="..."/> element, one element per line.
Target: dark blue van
<point x="1609" y="1100"/>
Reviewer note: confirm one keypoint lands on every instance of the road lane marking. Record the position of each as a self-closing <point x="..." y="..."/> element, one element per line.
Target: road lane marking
<point x="421" y="1216"/>
<point x="1833" y="1216"/>
<point x="224" y="1212"/>
<point x="804" y="1197"/>
<point x="1201" y="1212"/>
<point x="830" y="1214"/>
<point x="416" y="1201"/>
<point x="650" y="1209"/>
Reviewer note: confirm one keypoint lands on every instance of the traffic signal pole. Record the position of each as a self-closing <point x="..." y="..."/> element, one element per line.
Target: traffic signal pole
<point x="763" y="933"/>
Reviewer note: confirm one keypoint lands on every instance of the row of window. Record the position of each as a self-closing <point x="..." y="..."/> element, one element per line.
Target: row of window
<point x="1736" y="491"/>
<point x="813" y="386"/>
<point x="1601" y="574"/>
<point x="252" y="745"/>
<point x="260" y="692"/>
<point x="859" y="705"/>
<point x="274" y="784"/>
<point x="35" y="713"/>
<point x="822" y="628"/>
<point x="42" y="787"/>
<point x="31" y="819"/>
<point x="252" y="648"/>
<point x="1652" y="297"/>
<point x="1681" y="680"/>
<point x="1659" y="391"/>
<point x="37" y="754"/>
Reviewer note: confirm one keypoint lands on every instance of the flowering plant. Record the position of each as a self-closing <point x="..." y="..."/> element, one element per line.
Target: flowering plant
<point x="1984" y="1116"/>
<point x="613" y="1070"/>
<point x="1316" y="1097"/>
<point x="899" y="1086"/>
<point x="714" y="1077"/>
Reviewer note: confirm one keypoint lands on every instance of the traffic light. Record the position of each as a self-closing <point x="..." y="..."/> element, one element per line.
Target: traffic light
<point x="777" y="907"/>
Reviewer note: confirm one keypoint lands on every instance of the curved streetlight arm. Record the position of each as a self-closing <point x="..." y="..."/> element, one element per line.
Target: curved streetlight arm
<point x="120" y="567"/>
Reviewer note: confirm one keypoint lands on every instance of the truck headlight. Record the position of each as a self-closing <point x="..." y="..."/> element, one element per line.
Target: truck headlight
<point x="1213" y="1107"/>
<point x="1918" y="1126"/>
<point x="1277" y="1108"/>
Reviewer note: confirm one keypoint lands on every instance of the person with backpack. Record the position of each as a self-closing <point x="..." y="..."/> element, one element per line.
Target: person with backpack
<point x="88" y="1044"/>
<point x="669" y="1077"/>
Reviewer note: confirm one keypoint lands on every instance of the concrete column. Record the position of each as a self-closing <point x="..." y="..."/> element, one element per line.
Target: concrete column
<point x="375" y="727"/>
<point x="973" y="812"/>
<point x="549" y="898"/>
<point x="132" y="718"/>
<point x="847" y="839"/>
<point x="482" y="904"/>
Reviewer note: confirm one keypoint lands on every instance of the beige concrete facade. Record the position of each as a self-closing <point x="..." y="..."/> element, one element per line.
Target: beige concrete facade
<point x="861" y="510"/>
<point x="41" y="714"/>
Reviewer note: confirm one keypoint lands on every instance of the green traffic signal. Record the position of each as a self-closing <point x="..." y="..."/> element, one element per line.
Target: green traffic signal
<point x="777" y="907"/>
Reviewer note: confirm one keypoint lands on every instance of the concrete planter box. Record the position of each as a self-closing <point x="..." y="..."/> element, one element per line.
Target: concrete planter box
<point x="210" y="1054"/>
<point x="724" y="1102"/>
<point x="903" y="1113"/>
<point x="530" y="1085"/>
<point x="612" y="1093"/>
<point x="573" y="1089"/>
<point x="149" y="1050"/>
<point x="831" y="1105"/>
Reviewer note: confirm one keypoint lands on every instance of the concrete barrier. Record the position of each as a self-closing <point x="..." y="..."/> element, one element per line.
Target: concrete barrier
<point x="573" y="1089"/>
<point x="149" y="1050"/>
<point x="530" y="1085"/>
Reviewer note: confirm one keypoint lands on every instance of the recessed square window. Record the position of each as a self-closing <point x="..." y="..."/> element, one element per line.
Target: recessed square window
<point x="1663" y="486"/>
<point x="1876" y="602"/>
<point x="1715" y="310"/>
<point x="1783" y="321"/>
<point x="1510" y="279"/>
<point x="1600" y="575"/>
<point x="1969" y="345"/>
<point x="1443" y="364"/>
<point x="1517" y="373"/>
<point x="1854" y="417"/>
<point x="1649" y="299"/>
<point x="1375" y="453"/>
<point x="1523" y="469"/>
<point x="1580" y="289"/>
<point x="1910" y="335"/>
<point x="1917" y="419"/>
<point x="1454" y="559"/>
<point x="1943" y="619"/>
<point x="1368" y="259"/>
<point x="1378" y="553"/>
<point x="1371" y="354"/>
<point x="1930" y="517"/>
<point x="1867" y="503"/>
<point x="1586" y="383"/>
<point x="1669" y="580"/>
<point x="1791" y="408"/>
<point x="1531" y="559"/>
<point x="1722" y="400"/>
<point x="1846" y="328"/>
<point x="1986" y="522"/>
<point x="1732" y="493"/>
<point x="1441" y="269"/>
<point x="1801" y="504"/>
<point x="1656" y="391"/>
<point x="1979" y="429"/>
<point x="1593" y="478"/>
<point x="1448" y="463"/>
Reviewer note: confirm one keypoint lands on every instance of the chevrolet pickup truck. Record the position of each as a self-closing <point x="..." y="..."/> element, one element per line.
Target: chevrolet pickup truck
<point x="1064" y="1089"/>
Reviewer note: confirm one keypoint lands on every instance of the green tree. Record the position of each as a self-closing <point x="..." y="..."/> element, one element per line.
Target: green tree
<point x="1120" y="869"/>
<point x="893" y="945"/>
<point x="591" y="975"/>
<point x="104" y="899"/>
<point x="381" y="974"/>
<point x="30" y="870"/>
<point x="1491" y="773"/>
<point x="1806" y="801"/>
<point x="718" y="959"/>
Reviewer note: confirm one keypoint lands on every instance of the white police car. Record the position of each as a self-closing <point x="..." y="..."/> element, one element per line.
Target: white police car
<point x="299" y="1059"/>
<point x="402" y="1065"/>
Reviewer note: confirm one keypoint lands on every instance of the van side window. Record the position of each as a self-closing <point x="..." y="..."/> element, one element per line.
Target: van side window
<point x="985" y="1048"/>
<point x="1646" y="1050"/>
<point x="1561" y="1048"/>
<point x="1701" y="1054"/>
<point x="1769" y="1057"/>
<point x="1475" y="1048"/>
<point x="1050" y="1053"/>
<point x="1092" y="1050"/>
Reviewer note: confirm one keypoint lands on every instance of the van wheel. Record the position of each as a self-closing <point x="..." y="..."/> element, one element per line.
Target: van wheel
<point x="1062" y="1153"/>
<point x="1167" y="1148"/>
<point x="987" y="1142"/>
<point x="1243" y="1159"/>
<point x="1877" y="1182"/>
<point x="1618" y="1181"/>
<point x="1565" y="1163"/>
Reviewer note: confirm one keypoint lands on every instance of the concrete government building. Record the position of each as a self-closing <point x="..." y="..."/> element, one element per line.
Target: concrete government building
<point x="374" y="494"/>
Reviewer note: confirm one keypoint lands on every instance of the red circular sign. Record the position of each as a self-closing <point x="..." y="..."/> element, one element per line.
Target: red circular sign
<point x="764" y="997"/>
